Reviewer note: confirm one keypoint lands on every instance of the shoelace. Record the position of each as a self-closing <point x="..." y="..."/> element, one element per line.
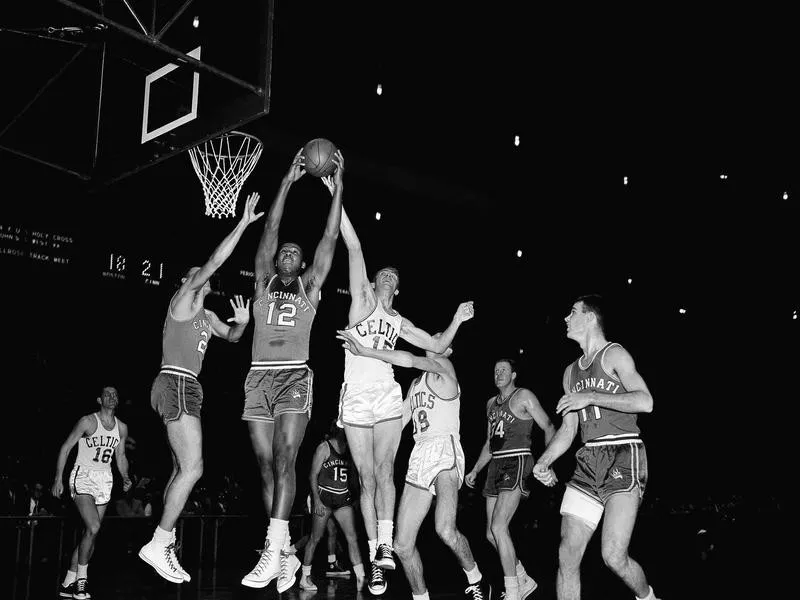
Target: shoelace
<point x="377" y="574"/>
<point x="475" y="590"/>
<point x="284" y="566"/>
<point x="266" y="556"/>
<point x="172" y="559"/>
<point x="80" y="585"/>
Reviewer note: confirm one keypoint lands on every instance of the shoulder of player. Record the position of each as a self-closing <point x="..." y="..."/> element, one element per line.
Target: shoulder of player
<point x="88" y="423"/>
<point x="525" y="398"/>
<point x="362" y="305"/>
<point x="123" y="427"/>
<point x="614" y="356"/>
<point x="323" y="450"/>
<point x="448" y="378"/>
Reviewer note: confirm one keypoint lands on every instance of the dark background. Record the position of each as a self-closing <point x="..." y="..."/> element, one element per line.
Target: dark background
<point x="671" y="101"/>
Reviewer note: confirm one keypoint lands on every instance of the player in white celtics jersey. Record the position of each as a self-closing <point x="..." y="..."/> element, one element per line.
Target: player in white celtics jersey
<point x="99" y="436"/>
<point x="370" y="404"/>
<point x="603" y="393"/>
<point x="436" y="464"/>
<point x="278" y="387"/>
<point x="177" y="395"/>
<point x="511" y="415"/>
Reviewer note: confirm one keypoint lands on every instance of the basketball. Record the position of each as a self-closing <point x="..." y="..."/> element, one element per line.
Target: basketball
<point x="319" y="157"/>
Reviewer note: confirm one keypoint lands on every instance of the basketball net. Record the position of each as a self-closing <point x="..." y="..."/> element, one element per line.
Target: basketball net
<point x="222" y="164"/>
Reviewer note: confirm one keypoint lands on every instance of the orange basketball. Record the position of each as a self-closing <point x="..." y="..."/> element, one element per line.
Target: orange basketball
<point x="319" y="157"/>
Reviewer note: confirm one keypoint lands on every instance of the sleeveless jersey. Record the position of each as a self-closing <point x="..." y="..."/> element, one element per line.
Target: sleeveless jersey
<point x="184" y="343"/>
<point x="511" y="436"/>
<point x="283" y="318"/>
<point x="431" y="414"/>
<point x="596" y="422"/>
<point x="95" y="451"/>
<point x="379" y="330"/>
<point x="334" y="475"/>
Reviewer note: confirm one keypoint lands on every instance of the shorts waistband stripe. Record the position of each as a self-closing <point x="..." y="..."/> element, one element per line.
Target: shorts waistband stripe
<point x="333" y="491"/>
<point x="266" y="365"/>
<point x="173" y="370"/>
<point x="634" y="439"/>
<point x="506" y="453"/>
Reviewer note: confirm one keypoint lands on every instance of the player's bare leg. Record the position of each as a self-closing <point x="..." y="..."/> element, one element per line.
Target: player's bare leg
<point x="261" y="434"/>
<point x="414" y="506"/>
<point x="359" y="439"/>
<point x="575" y="535"/>
<point x="385" y="442"/>
<point x="620" y="516"/>
<point x="447" y="484"/>
<point x="490" y="502"/>
<point x="346" y="518"/>
<point x="504" y="509"/>
<point x="185" y="438"/>
<point x="319" y="525"/>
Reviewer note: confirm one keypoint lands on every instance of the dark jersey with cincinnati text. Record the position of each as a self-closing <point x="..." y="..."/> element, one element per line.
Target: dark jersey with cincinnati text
<point x="184" y="343"/>
<point x="509" y="435"/>
<point x="283" y="318"/>
<point x="334" y="475"/>
<point x="597" y="422"/>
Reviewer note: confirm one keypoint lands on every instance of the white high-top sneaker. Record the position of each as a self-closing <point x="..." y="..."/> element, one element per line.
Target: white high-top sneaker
<point x="267" y="568"/>
<point x="162" y="558"/>
<point x="289" y="567"/>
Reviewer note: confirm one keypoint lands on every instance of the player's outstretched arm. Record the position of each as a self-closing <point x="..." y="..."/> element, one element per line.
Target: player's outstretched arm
<point x="422" y="339"/>
<point x="268" y="245"/>
<point x="323" y="256"/>
<point x="84" y="426"/>
<point x="240" y="319"/>
<point x="398" y="358"/>
<point x="362" y="296"/>
<point x="182" y="302"/>
<point x="121" y="457"/>
<point x="320" y="454"/>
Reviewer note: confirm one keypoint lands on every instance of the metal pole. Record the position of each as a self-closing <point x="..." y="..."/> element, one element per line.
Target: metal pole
<point x="193" y="62"/>
<point x="60" y="551"/>
<point x="200" y="553"/>
<point x="214" y="566"/>
<point x="16" y="562"/>
<point x="30" y="563"/>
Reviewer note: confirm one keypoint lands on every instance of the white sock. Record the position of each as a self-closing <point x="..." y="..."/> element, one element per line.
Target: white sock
<point x="306" y="570"/>
<point x="82" y="571"/>
<point x="331" y="558"/>
<point x="277" y="532"/>
<point x="385" y="532"/>
<point x="422" y="596"/>
<point x="473" y="575"/>
<point x="373" y="546"/>
<point x="521" y="570"/>
<point x="70" y="578"/>
<point x="358" y="570"/>
<point x="650" y="596"/>
<point x="512" y="588"/>
<point x="162" y="536"/>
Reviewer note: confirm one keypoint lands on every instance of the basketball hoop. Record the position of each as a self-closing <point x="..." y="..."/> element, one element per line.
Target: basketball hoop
<point x="222" y="164"/>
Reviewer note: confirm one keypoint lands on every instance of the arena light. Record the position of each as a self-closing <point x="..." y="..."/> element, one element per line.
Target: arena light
<point x="516" y="140"/>
<point x="625" y="180"/>
<point x="196" y="22"/>
<point x="379" y="89"/>
<point x="723" y="176"/>
<point x="377" y="216"/>
<point x="630" y="280"/>
<point x="682" y="311"/>
<point x="521" y="351"/>
<point x="785" y="195"/>
<point x="519" y="253"/>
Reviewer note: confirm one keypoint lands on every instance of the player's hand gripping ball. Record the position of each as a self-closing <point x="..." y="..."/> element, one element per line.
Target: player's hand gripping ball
<point x="318" y="155"/>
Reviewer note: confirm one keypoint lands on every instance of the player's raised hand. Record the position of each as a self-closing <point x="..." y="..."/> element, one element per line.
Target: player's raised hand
<point x="465" y="311"/>
<point x="334" y="181"/>
<point x="249" y="215"/>
<point x="296" y="170"/>
<point x="470" y="478"/>
<point x="350" y="343"/>
<point x="241" y="311"/>
<point x="544" y="475"/>
<point x="328" y="181"/>
<point x="58" y="488"/>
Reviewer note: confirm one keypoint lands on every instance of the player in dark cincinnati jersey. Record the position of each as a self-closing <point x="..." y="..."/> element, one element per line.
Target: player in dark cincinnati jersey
<point x="603" y="394"/>
<point x="177" y="395"/>
<point x="279" y="386"/>
<point x="333" y="492"/>
<point x="510" y="415"/>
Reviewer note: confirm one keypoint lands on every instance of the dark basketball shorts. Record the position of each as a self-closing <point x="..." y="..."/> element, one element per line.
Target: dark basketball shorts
<point x="270" y="391"/>
<point x="508" y="473"/>
<point x="173" y="395"/>
<point x="603" y="469"/>
<point x="336" y="500"/>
